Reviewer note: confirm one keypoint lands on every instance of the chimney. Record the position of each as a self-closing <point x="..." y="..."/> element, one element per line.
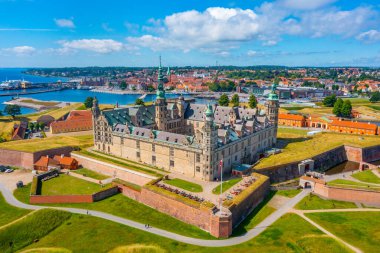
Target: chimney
<point x="47" y="156"/>
<point x="62" y="155"/>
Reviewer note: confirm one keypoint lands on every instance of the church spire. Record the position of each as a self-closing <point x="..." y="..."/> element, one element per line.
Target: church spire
<point x="160" y="86"/>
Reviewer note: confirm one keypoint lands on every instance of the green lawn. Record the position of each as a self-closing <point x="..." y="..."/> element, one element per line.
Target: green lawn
<point x="361" y="229"/>
<point x="345" y="183"/>
<point x="68" y="185"/>
<point x="298" y="146"/>
<point x="90" y="173"/>
<point x="376" y="107"/>
<point x="122" y="206"/>
<point x="367" y="176"/>
<point x="186" y="185"/>
<point x="9" y="213"/>
<point x="313" y="202"/>
<point x="289" y="234"/>
<point x="31" y="228"/>
<point x="226" y="185"/>
<point x="288" y="193"/>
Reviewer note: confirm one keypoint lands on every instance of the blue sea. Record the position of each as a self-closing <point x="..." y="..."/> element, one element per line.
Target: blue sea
<point x="67" y="95"/>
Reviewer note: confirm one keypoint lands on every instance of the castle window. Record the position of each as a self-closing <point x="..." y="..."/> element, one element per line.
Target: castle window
<point x="153" y="147"/>
<point x="138" y="154"/>
<point x="172" y="151"/>
<point x="153" y="159"/>
<point x="137" y="144"/>
<point x="198" y="158"/>
<point x="198" y="169"/>
<point x="171" y="163"/>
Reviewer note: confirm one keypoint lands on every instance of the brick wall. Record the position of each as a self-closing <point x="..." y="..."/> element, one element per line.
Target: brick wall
<point x="25" y="159"/>
<point x="129" y="192"/>
<point x="351" y="195"/>
<point x="354" y="154"/>
<point x="39" y="199"/>
<point x="105" y="193"/>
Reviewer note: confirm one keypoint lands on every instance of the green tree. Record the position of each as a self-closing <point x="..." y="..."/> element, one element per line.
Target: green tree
<point x="329" y="101"/>
<point x="276" y="80"/>
<point x="252" y="102"/>
<point x="235" y="100"/>
<point x="123" y="85"/>
<point x="12" y="110"/>
<point x="139" y="101"/>
<point x="338" y="107"/>
<point x="88" y="102"/>
<point x="346" y="109"/>
<point x="31" y="126"/>
<point x="223" y="100"/>
<point x="41" y="125"/>
<point x="375" y="97"/>
<point x="1" y="113"/>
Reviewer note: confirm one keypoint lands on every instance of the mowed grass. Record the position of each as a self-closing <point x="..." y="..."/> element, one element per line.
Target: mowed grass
<point x="47" y="250"/>
<point x="288" y="193"/>
<point x="34" y="145"/>
<point x="367" y="176"/>
<point x="313" y="202"/>
<point x="33" y="227"/>
<point x="90" y="173"/>
<point x="289" y="234"/>
<point x="55" y="113"/>
<point x="183" y="184"/>
<point x="226" y="185"/>
<point x="361" y="229"/>
<point x="68" y="185"/>
<point x="37" y="102"/>
<point x="122" y="206"/>
<point x="298" y="146"/>
<point x="344" y="183"/>
<point x="9" y="213"/>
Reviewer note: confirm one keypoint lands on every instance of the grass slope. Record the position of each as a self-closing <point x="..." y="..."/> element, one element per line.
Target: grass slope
<point x="361" y="229"/>
<point x="122" y="206"/>
<point x="9" y="213"/>
<point x="186" y="185"/>
<point x="68" y="185"/>
<point x="90" y="173"/>
<point x="313" y="202"/>
<point x="344" y="183"/>
<point x="289" y="234"/>
<point x="367" y="176"/>
<point x="34" y="227"/>
<point x="288" y="193"/>
<point x="226" y="185"/>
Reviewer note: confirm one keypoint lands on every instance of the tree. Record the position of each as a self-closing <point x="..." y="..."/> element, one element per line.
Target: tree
<point x="329" y="101"/>
<point x="235" y="100"/>
<point x="123" y="85"/>
<point x="41" y="125"/>
<point x="338" y="107"/>
<point x="223" y="100"/>
<point x="139" y="101"/>
<point x="252" y="102"/>
<point x="31" y="126"/>
<point x="346" y="109"/>
<point x="375" y="97"/>
<point x="276" y="80"/>
<point x="12" y="110"/>
<point x="88" y="102"/>
<point x="1" y="113"/>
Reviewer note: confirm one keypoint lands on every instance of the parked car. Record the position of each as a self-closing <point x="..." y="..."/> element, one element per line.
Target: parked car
<point x="9" y="171"/>
<point x="3" y="168"/>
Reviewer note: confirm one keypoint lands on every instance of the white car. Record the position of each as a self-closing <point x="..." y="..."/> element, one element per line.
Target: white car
<point x="9" y="171"/>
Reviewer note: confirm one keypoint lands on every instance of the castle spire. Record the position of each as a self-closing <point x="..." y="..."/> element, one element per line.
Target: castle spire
<point x="160" y="86"/>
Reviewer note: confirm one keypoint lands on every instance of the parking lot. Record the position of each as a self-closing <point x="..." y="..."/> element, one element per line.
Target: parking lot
<point x="10" y="179"/>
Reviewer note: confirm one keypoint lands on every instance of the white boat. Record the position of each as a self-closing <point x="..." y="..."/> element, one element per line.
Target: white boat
<point x="143" y="96"/>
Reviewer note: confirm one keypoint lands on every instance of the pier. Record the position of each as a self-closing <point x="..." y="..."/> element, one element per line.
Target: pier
<point x="28" y="92"/>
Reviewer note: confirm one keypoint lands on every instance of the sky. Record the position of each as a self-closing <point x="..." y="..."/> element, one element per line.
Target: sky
<point x="65" y="33"/>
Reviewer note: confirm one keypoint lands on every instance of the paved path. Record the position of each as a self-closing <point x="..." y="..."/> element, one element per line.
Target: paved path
<point x="200" y="242"/>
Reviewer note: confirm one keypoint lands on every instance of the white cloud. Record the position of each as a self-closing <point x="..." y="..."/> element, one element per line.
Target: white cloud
<point x="65" y="23"/>
<point x="20" y="50"/>
<point x="223" y="28"/>
<point x="369" y="36"/>
<point x="251" y="53"/>
<point x="305" y="4"/>
<point x="95" y="45"/>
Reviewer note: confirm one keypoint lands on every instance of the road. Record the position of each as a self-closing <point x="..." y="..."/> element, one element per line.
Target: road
<point x="199" y="242"/>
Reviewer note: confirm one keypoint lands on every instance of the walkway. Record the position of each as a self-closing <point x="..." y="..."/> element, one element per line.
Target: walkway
<point x="199" y="242"/>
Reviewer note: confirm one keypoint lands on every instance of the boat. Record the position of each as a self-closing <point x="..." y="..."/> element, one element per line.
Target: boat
<point x="143" y="96"/>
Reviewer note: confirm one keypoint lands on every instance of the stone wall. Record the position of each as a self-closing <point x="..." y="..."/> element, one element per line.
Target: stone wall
<point x="241" y="211"/>
<point x="371" y="154"/>
<point x="40" y="199"/>
<point x="113" y="170"/>
<point x="344" y="194"/>
<point x="26" y="159"/>
<point x="105" y="193"/>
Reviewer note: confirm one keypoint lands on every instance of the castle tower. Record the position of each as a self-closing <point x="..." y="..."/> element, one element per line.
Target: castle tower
<point x="161" y="105"/>
<point x="181" y="106"/>
<point x="95" y="108"/>
<point x="210" y="142"/>
<point x="271" y="106"/>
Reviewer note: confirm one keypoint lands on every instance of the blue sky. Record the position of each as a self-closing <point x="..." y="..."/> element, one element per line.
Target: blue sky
<point x="53" y="33"/>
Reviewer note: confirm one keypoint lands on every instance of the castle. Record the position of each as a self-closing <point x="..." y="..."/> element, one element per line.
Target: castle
<point x="185" y="137"/>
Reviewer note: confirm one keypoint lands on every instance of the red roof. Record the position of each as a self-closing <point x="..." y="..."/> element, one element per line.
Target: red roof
<point x="291" y="116"/>
<point x="351" y="124"/>
<point x="45" y="161"/>
<point x="64" y="160"/>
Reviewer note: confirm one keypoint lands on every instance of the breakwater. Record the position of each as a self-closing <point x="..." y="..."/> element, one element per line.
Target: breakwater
<point x="29" y="92"/>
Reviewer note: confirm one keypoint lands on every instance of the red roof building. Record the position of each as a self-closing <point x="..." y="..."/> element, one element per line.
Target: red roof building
<point x="352" y="127"/>
<point x="76" y="121"/>
<point x="66" y="162"/>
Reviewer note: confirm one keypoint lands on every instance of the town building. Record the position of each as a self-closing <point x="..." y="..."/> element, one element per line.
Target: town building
<point x="292" y="120"/>
<point x="78" y="120"/>
<point x="353" y="127"/>
<point x="184" y="137"/>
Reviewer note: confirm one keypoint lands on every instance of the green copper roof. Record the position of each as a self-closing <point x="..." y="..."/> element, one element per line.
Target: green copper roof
<point x="160" y="86"/>
<point x="273" y="95"/>
<point x="209" y="112"/>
